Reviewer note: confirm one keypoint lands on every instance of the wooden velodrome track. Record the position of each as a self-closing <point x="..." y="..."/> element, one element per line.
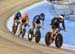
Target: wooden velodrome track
<point x="10" y="44"/>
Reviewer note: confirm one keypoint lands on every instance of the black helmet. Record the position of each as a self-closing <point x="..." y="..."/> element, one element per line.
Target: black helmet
<point x="18" y="12"/>
<point x="42" y="14"/>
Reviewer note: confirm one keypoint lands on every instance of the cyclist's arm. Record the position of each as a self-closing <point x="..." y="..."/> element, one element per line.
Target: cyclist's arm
<point x="28" y="21"/>
<point x="43" y="22"/>
<point x="20" y="22"/>
<point x="51" y="22"/>
<point x="63" y="24"/>
<point x="35" y="22"/>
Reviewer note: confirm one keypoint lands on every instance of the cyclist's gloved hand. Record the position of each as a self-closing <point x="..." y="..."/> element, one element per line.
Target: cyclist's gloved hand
<point x="50" y="24"/>
<point x="64" y="30"/>
<point x="43" y="27"/>
<point x="29" y="25"/>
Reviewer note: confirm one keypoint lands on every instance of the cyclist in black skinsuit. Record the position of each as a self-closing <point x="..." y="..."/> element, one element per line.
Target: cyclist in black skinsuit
<point x="55" y="22"/>
<point x="16" y="19"/>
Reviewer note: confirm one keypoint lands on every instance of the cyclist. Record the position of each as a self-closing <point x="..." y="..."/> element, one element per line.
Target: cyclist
<point x="24" y="21"/>
<point x="55" y="22"/>
<point x="16" y="19"/>
<point x="37" y="19"/>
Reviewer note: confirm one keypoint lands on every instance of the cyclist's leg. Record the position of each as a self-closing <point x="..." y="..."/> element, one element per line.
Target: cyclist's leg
<point x="20" y="30"/>
<point x="14" y="21"/>
<point x="13" y="27"/>
<point x="52" y="33"/>
<point x="33" y="27"/>
<point x="18" y="22"/>
<point x="25" y="24"/>
<point x="56" y="30"/>
<point x="17" y="25"/>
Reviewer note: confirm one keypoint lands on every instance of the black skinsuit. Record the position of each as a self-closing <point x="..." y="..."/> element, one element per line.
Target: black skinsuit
<point x="55" y="22"/>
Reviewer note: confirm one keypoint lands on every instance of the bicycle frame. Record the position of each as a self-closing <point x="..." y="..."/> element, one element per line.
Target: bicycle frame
<point x="57" y="31"/>
<point x="24" y="26"/>
<point x="38" y="27"/>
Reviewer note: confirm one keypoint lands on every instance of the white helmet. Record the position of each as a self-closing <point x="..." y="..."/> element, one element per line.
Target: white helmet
<point x="61" y="16"/>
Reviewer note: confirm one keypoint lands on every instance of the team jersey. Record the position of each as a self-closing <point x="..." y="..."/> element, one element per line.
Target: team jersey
<point x="17" y="16"/>
<point x="37" y="19"/>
